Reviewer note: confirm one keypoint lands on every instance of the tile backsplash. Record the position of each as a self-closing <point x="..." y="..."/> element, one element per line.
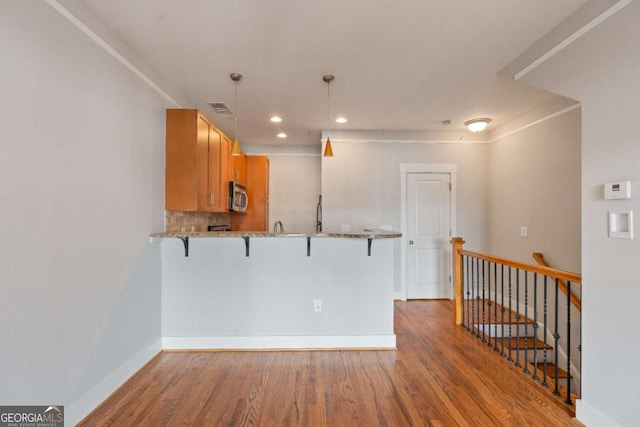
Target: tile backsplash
<point x="176" y="221"/>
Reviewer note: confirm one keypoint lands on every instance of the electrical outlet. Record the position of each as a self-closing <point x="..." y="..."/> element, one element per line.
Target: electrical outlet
<point x="524" y="231"/>
<point x="385" y="227"/>
<point x="317" y="305"/>
<point x="346" y="227"/>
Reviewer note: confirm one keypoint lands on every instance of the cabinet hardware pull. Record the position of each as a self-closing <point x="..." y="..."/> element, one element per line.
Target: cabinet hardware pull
<point x="212" y="199"/>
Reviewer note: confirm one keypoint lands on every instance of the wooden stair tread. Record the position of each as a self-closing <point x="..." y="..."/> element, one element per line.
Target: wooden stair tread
<point x="524" y="343"/>
<point x="551" y="370"/>
<point x="493" y="313"/>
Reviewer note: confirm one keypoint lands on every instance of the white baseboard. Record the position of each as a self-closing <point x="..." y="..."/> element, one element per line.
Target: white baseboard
<point x="590" y="416"/>
<point x="279" y="342"/>
<point x="87" y="403"/>
<point x="398" y="296"/>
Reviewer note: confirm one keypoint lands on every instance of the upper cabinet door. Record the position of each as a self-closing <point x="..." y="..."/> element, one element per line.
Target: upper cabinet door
<point x="225" y="171"/>
<point x="186" y="136"/>
<point x="214" y="157"/>
<point x="197" y="163"/>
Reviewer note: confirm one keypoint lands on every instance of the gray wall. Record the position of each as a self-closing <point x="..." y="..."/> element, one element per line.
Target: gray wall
<point x="602" y="71"/>
<point x="361" y="186"/>
<point x="534" y="181"/>
<point x="294" y="185"/>
<point x="294" y="190"/>
<point x="81" y="185"/>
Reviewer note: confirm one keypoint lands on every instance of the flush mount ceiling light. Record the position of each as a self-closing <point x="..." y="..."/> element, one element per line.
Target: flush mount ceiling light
<point x="235" y="149"/>
<point x="477" y="125"/>
<point x="328" y="78"/>
<point x="282" y="135"/>
<point x="341" y="120"/>
<point x="276" y="119"/>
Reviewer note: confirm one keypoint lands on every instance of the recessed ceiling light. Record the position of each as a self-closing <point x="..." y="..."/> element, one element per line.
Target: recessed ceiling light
<point x="341" y="120"/>
<point x="282" y="135"/>
<point x="276" y="119"/>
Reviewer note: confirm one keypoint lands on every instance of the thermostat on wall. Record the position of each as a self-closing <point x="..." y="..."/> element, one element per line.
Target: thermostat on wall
<point x="617" y="190"/>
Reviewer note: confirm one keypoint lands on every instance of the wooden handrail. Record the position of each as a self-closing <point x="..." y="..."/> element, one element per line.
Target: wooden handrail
<point x="457" y="253"/>
<point x="547" y="271"/>
<point x="561" y="283"/>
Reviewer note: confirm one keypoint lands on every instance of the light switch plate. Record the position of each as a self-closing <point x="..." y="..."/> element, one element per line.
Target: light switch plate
<point x="524" y="231"/>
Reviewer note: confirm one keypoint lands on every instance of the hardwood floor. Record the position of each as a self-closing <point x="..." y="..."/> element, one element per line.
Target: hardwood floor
<point x="439" y="376"/>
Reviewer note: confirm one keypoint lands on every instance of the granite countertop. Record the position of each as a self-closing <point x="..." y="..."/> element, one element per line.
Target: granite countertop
<point x="365" y="234"/>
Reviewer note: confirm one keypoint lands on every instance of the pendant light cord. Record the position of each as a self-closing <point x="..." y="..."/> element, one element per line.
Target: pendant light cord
<point x="235" y="148"/>
<point x="328" y="78"/>
<point x="235" y="108"/>
<point x="328" y="104"/>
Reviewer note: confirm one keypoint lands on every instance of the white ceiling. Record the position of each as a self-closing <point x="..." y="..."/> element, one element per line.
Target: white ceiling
<point x="399" y="64"/>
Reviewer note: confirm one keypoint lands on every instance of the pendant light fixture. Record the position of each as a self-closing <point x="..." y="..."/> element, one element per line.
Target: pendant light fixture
<point x="328" y="78"/>
<point x="235" y="148"/>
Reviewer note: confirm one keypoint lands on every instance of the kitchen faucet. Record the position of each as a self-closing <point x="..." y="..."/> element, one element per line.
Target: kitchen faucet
<point x="278" y="227"/>
<point x="319" y="215"/>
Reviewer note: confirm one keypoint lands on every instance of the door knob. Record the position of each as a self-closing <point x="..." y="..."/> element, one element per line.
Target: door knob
<point x="411" y="242"/>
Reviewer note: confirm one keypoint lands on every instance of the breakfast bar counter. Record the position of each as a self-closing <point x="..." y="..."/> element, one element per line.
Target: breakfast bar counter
<point x="365" y="234"/>
<point x="239" y="290"/>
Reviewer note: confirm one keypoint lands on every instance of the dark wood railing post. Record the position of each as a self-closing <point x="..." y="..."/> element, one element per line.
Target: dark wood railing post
<point x="457" y="243"/>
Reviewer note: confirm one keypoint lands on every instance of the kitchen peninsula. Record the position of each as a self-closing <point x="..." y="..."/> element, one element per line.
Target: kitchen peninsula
<point x="260" y="290"/>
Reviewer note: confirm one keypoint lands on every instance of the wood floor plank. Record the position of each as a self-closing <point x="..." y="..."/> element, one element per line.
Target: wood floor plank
<point x="439" y="376"/>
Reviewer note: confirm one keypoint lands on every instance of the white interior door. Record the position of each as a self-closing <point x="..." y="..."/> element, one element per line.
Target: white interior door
<point x="428" y="235"/>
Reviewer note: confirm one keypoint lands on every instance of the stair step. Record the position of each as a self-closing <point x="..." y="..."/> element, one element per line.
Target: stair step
<point x="551" y="370"/>
<point x="525" y="343"/>
<point x="489" y="311"/>
<point x="489" y="325"/>
<point x="499" y="330"/>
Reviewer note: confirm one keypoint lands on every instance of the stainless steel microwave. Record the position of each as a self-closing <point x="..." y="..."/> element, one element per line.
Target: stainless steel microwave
<point x="238" y="200"/>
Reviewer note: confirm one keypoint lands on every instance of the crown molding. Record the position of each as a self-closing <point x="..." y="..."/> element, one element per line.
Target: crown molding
<point x="568" y="31"/>
<point x="111" y="50"/>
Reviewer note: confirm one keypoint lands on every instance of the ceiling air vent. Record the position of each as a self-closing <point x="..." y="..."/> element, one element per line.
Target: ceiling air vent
<point x="220" y="108"/>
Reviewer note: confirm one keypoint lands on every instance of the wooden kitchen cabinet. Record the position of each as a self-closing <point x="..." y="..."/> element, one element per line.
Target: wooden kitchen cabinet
<point x="198" y="157"/>
<point x="237" y="166"/>
<point x="239" y="174"/>
<point x="256" y="218"/>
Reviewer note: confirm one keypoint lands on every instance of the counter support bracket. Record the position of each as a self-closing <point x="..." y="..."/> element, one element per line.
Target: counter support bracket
<point x="369" y="241"/>
<point x="246" y="246"/>
<point x="308" y="246"/>
<point x="185" y="242"/>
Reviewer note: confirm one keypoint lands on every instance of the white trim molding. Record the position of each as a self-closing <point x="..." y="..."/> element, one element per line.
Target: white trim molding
<point x="282" y="150"/>
<point x="410" y="141"/>
<point x="590" y="416"/>
<point x="87" y="403"/>
<point x="283" y="342"/>
<point x="113" y="52"/>
<point x="538" y="121"/>
<point x="583" y="20"/>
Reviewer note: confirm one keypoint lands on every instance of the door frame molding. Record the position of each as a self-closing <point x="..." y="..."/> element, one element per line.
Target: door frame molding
<point x="406" y="168"/>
